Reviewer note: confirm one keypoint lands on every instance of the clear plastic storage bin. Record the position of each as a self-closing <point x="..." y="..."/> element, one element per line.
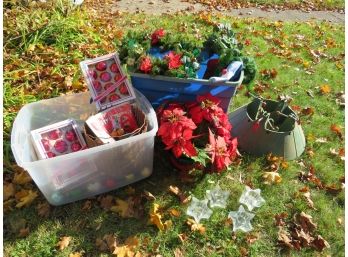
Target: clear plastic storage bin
<point x="86" y="173"/>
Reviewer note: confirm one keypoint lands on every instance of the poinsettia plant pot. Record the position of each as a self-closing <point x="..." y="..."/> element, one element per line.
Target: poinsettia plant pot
<point x="184" y="165"/>
<point x="160" y="89"/>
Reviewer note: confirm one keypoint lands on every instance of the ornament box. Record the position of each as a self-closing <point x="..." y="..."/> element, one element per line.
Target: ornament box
<point x="159" y="89"/>
<point x="75" y="176"/>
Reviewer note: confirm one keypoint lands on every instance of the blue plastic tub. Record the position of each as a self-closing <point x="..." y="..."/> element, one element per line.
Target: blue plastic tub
<point x="159" y="89"/>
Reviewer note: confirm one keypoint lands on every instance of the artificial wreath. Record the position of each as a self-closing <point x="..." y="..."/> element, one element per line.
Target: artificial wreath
<point x="183" y="53"/>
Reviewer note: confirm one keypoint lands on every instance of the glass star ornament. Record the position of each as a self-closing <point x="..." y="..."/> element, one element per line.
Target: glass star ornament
<point x="198" y="209"/>
<point x="217" y="197"/>
<point x="251" y="198"/>
<point x="241" y="219"/>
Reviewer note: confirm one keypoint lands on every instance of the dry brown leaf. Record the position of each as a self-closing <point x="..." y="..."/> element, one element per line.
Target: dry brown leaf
<point x="308" y="111"/>
<point x="149" y="196"/>
<point x="9" y="190"/>
<point x="337" y="130"/>
<point x="175" y="212"/>
<point x="110" y="242"/>
<point x="325" y="89"/>
<point x="178" y="253"/>
<point x="320" y="244"/>
<point x="106" y="202"/>
<point x="183" y="237"/>
<point x="182" y="197"/>
<point x="101" y="245"/>
<point x="25" y="197"/>
<point x="195" y="226"/>
<point x="21" y="177"/>
<point x="271" y="178"/>
<point x="132" y="242"/>
<point x="251" y="238"/>
<point x="87" y="205"/>
<point x="279" y="219"/>
<point x="43" y="209"/>
<point x="23" y="232"/>
<point x="305" y="222"/>
<point x="307" y="196"/>
<point x="63" y="242"/>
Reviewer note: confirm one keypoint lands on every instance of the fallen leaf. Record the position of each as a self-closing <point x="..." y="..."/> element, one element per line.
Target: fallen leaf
<point x="183" y="237"/>
<point x="195" y="226"/>
<point x="132" y="242"/>
<point x="155" y="217"/>
<point x="243" y="251"/>
<point x="9" y="190"/>
<point x="26" y="197"/>
<point x="321" y="140"/>
<point x="340" y="153"/>
<point x="21" y="177"/>
<point x="252" y="238"/>
<point x="76" y="254"/>
<point x="110" y="242"/>
<point x="325" y="89"/>
<point x="337" y="130"/>
<point x="307" y="196"/>
<point x="23" y="232"/>
<point x="175" y="212"/>
<point x="320" y="244"/>
<point x="178" y="253"/>
<point x="123" y="251"/>
<point x="43" y="209"/>
<point x="279" y="219"/>
<point x="305" y="221"/>
<point x="308" y="111"/>
<point x="63" y="242"/>
<point x="106" y="202"/>
<point x="101" y="245"/>
<point x="87" y="205"/>
<point x="271" y="178"/>
<point x="149" y="196"/>
<point x="182" y="197"/>
<point x="121" y="208"/>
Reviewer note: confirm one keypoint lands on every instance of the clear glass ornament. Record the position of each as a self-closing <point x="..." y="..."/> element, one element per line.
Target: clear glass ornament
<point x="217" y="197"/>
<point x="198" y="209"/>
<point x="241" y="219"/>
<point x="251" y="198"/>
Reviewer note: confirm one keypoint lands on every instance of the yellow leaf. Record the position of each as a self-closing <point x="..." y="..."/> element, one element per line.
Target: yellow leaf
<point x="121" y="208"/>
<point x="123" y="251"/>
<point x="132" y="242"/>
<point x="31" y="48"/>
<point x="306" y="64"/>
<point x="175" y="213"/>
<point x="64" y="242"/>
<point x="26" y="199"/>
<point x="77" y="254"/>
<point x="271" y="178"/>
<point x="156" y="220"/>
<point x="21" y="177"/>
<point x="9" y="191"/>
<point x="195" y="226"/>
<point x="325" y="89"/>
<point x="168" y="224"/>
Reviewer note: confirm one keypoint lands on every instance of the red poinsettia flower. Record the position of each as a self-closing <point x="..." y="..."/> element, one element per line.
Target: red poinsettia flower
<point x="219" y="152"/>
<point x="232" y="149"/>
<point x="174" y="121"/>
<point x="157" y="35"/>
<point x="174" y="60"/>
<point x="206" y="108"/>
<point x="181" y="143"/>
<point x="222" y="125"/>
<point x="146" y="65"/>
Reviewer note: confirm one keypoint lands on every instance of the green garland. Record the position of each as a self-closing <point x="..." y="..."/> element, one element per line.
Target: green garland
<point x="135" y="46"/>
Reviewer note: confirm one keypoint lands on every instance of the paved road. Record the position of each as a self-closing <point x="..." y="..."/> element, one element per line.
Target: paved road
<point x="158" y="7"/>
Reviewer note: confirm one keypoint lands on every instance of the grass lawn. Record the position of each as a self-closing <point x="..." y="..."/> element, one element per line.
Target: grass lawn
<point x="42" y="48"/>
